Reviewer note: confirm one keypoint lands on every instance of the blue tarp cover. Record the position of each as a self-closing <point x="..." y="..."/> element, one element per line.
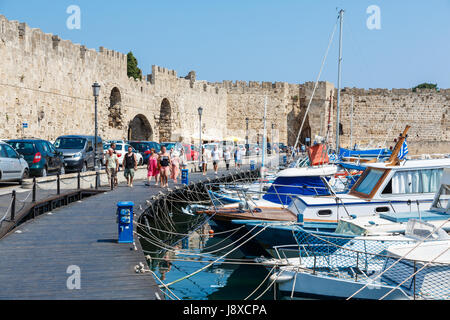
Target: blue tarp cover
<point x="294" y="185"/>
<point x="369" y="153"/>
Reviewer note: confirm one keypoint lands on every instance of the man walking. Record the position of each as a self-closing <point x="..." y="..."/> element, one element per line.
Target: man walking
<point x="112" y="166"/>
<point x="130" y="163"/>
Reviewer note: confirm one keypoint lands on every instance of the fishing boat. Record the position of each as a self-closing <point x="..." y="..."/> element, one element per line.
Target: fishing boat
<point x="418" y="270"/>
<point x="375" y="223"/>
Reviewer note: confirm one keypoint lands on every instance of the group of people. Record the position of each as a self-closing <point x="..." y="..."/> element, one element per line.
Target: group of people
<point x="161" y="166"/>
<point x="215" y="155"/>
<point x="164" y="165"/>
<point x="112" y="165"/>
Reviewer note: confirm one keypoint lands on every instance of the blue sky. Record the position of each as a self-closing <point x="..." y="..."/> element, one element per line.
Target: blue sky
<point x="283" y="40"/>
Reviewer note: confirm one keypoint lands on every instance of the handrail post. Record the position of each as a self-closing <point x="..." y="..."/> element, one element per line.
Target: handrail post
<point x="96" y="180"/>
<point x="414" y="279"/>
<point x="58" y="184"/>
<point x="34" y="189"/>
<point x="13" y="206"/>
<point x="79" y="180"/>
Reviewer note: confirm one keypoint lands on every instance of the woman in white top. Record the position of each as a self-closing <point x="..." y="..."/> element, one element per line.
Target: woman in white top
<point x="227" y="158"/>
<point x="215" y="158"/>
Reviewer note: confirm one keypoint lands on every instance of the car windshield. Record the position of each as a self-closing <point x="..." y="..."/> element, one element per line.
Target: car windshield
<point x="106" y="146"/>
<point x="25" y="148"/>
<point x="141" y="147"/>
<point x="70" y="143"/>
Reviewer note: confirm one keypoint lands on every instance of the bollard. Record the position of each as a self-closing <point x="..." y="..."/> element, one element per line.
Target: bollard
<point x="185" y="176"/>
<point x="125" y="221"/>
<point x="34" y="189"/>
<point x="79" y="180"/>
<point x="13" y="206"/>
<point x="97" y="176"/>
<point x="58" y="185"/>
<point x="252" y="165"/>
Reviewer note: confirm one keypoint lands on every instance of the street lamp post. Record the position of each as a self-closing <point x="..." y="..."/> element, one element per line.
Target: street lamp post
<point x="200" y="112"/>
<point x="247" y="146"/>
<point x="272" y="145"/>
<point x="96" y="92"/>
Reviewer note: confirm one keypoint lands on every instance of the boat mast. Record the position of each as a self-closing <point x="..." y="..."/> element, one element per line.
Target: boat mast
<point x="341" y="19"/>
<point x="264" y="138"/>
<point x="351" y="125"/>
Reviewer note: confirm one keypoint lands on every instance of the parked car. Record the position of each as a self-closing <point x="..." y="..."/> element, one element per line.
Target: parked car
<point x="13" y="166"/>
<point x="121" y="150"/>
<point x="78" y="151"/>
<point x="41" y="156"/>
<point x="144" y="147"/>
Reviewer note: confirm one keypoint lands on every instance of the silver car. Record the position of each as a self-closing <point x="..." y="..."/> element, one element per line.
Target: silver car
<point x="13" y="166"/>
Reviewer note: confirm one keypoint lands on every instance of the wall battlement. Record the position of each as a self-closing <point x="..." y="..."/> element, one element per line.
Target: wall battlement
<point x="46" y="82"/>
<point x="382" y="91"/>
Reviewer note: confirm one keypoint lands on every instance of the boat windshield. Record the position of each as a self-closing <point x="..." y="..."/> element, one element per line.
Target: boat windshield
<point x="369" y="181"/>
<point x="441" y="201"/>
<point x="348" y="228"/>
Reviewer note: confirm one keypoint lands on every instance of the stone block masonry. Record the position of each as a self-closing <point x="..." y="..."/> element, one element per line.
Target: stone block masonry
<point x="46" y="82"/>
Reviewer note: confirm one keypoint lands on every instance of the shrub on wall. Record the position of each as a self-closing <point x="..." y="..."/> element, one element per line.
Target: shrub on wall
<point x="132" y="67"/>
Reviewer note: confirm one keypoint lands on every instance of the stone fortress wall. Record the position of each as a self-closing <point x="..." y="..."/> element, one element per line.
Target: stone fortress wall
<point x="46" y="82"/>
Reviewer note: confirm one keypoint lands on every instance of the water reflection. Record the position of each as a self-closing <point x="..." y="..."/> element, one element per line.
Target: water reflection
<point x="232" y="278"/>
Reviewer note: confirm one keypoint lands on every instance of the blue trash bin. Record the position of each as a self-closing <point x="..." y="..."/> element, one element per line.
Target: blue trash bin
<point x="185" y="176"/>
<point x="125" y="221"/>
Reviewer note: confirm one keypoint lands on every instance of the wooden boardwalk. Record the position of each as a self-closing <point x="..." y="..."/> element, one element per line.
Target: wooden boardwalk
<point x="35" y="257"/>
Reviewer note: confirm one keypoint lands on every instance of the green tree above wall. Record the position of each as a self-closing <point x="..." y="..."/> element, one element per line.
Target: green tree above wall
<point x="425" y="85"/>
<point x="132" y="67"/>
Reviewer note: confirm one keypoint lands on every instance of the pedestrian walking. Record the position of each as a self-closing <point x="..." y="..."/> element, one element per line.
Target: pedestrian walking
<point x="112" y="166"/>
<point x="204" y="161"/>
<point x="130" y="163"/>
<point x="175" y="168"/>
<point x="227" y="158"/>
<point x="215" y="158"/>
<point x="164" y="162"/>
<point x="113" y="147"/>
<point x="239" y="158"/>
<point x="152" y="167"/>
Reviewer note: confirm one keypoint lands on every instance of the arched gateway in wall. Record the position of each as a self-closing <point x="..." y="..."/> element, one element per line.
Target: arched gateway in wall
<point x="140" y="129"/>
<point x="165" y="122"/>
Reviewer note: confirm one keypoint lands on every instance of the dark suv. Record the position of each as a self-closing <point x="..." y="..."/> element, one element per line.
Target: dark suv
<point x="40" y="155"/>
<point x="144" y="147"/>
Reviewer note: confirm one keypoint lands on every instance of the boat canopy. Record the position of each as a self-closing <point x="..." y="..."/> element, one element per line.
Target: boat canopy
<point x="368" y="153"/>
<point x="283" y="188"/>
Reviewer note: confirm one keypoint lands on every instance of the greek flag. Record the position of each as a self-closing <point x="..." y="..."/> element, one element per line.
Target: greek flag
<point x="403" y="151"/>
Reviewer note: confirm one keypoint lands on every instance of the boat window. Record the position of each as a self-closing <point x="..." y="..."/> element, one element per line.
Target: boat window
<point x="348" y="228"/>
<point x="322" y="213"/>
<point x="382" y="209"/>
<point x="414" y="181"/>
<point x="370" y="181"/>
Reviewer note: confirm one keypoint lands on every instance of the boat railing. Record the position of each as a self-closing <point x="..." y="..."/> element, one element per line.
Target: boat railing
<point x="357" y="259"/>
